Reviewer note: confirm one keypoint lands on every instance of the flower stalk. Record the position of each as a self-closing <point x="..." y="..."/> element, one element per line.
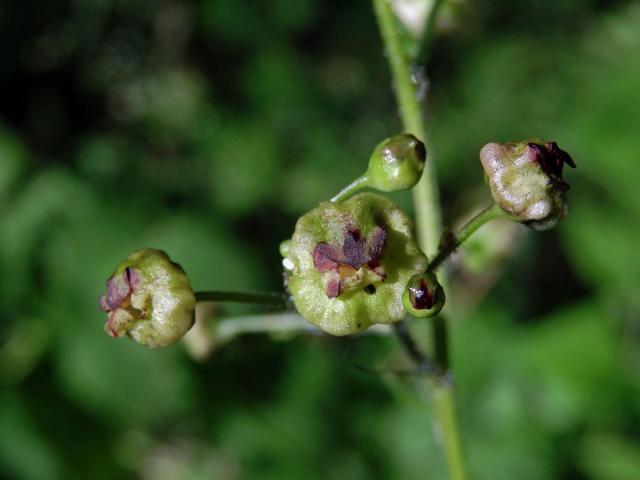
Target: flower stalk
<point x="271" y="299"/>
<point x="451" y="243"/>
<point x="429" y="224"/>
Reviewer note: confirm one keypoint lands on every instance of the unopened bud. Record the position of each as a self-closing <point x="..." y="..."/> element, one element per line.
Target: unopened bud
<point x="396" y="163"/>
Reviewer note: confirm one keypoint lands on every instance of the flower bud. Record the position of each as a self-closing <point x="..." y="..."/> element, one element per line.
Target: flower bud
<point x="349" y="263"/>
<point x="396" y="163"/>
<point x="423" y="296"/>
<point x="149" y="298"/>
<point x="526" y="180"/>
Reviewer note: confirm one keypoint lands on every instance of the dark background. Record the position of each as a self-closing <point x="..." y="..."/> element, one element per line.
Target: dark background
<point x="206" y="128"/>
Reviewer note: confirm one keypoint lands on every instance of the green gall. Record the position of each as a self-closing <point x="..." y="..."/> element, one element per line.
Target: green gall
<point x="423" y="296"/>
<point x="396" y="163"/>
<point x="349" y="263"/>
<point x="150" y="299"/>
<point x="525" y="179"/>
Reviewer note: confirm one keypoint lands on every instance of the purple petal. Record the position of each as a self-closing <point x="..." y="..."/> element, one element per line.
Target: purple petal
<point x="118" y="289"/>
<point x="378" y="241"/>
<point x="354" y="249"/>
<point x="323" y="257"/>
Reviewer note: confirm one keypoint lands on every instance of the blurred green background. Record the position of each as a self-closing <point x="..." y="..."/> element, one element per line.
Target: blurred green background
<point x="205" y="128"/>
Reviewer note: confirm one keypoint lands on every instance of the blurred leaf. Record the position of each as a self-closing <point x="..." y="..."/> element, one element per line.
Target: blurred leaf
<point x="245" y="163"/>
<point x="293" y="14"/>
<point x="26" y="343"/>
<point x="13" y="158"/>
<point x="608" y="457"/>
<point x="24" y="452"/>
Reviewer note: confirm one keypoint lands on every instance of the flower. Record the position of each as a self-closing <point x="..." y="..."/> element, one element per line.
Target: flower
<point x="396" y="163"/>
<point x="423" y="296"/>
<point x="149" y="298"/>
<point x="349" y="263"/>
<point x="526" y="180"/>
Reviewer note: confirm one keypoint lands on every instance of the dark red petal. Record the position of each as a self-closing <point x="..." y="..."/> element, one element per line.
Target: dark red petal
<point x="324" y="257"/>
<point x="421" y="297"/>
<point x="333" y="287"/>
<point x="566" y="158"/>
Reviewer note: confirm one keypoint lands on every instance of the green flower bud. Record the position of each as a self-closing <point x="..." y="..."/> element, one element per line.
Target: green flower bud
<point x="526" y="181"/>
<point x="396" y="163"/>
<point x="423" y="296"/>
<point x="348" y="263"/>
<point x="149" y="298"/>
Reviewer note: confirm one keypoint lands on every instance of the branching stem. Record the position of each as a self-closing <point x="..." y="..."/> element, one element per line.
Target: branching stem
<point x="429" y="225"/>
<point x="450" y="244"/>
<point x="355" y="186"/>
<point x="425" y="193"/>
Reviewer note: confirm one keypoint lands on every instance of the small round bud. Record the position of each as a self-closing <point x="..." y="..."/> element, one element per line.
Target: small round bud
<point x="396" y="163"/>
<point x="423" y="296"/>
<point x="526" y="181"/>
<point x="284" y="248"/>
<point x="349" y="263"/>
<point x="149" y="298"/>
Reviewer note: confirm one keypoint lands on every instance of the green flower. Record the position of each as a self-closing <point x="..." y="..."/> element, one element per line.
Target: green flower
<point x="423" y="296"/>
<point x="348" y="263"/>
<point x="396" y="163"/>
<point x="149" y="298"/>
<point x="526" y="181"/>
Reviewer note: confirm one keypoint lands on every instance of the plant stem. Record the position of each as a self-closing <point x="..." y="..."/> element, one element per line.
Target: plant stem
<point x="444" y="401"/>
<point x="411" y="346"/>
<point x="425" y="193"/>
<point x="429" y="225"/>
<point x="285" y="323"/>
<point x="488" y="214"/>
<point x="278" y="323"/>
<point x="358" y="184"/>
<point x="277" y="300"/>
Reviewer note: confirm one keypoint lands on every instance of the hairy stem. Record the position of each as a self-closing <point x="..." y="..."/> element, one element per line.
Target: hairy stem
<point x="355" y="186"/>
<point x="429" y="225"/>
<point x="276" y="300"/>
<point x="450" y="244"/>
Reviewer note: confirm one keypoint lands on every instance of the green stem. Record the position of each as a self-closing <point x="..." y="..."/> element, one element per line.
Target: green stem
<point x="286" y="323"/>
<point x="445" y="409"/>
<point x="357" y="185"/>
<point x="278" y="300"/>
<point x="279" y="323"/>
<point x="465" y="232"/>
<point x="429" y="225"/>
<point x="425" y="193"/>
